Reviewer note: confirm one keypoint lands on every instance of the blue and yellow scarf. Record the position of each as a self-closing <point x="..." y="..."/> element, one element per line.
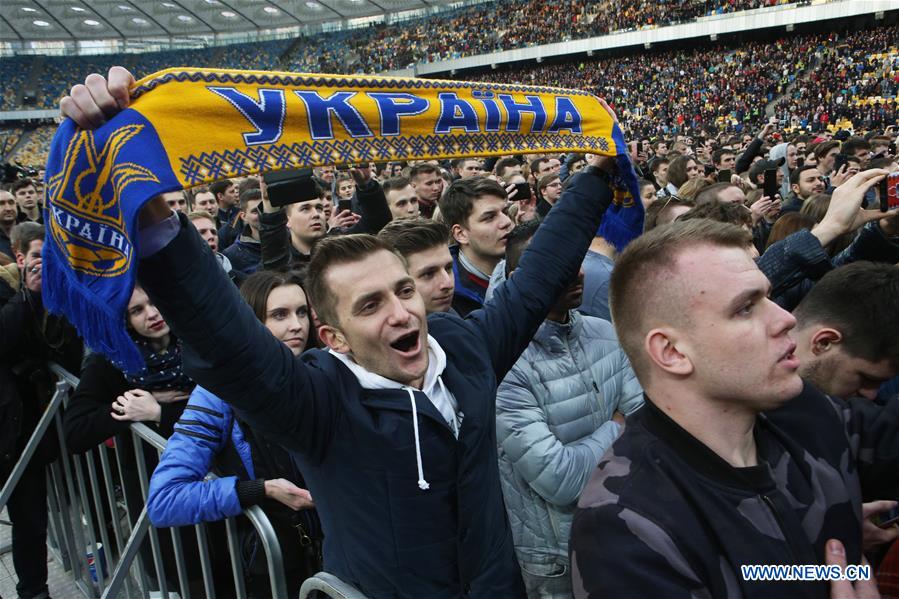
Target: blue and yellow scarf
<point x="187" y="127"/>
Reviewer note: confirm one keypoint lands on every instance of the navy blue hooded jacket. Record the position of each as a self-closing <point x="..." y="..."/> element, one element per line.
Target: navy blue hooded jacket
<point x="356" y="446"/>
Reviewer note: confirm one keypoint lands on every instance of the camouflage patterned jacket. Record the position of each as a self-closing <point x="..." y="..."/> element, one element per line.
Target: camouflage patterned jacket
<point x="664" y="516"/>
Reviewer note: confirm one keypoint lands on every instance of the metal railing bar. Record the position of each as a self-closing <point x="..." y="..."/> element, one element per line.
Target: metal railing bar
<point x="272" y="548"/>
<point x="205" y="562"/>
<point x="236" y="562"/>
<point x="132" y="548"/>
<point x="36" y="436"/>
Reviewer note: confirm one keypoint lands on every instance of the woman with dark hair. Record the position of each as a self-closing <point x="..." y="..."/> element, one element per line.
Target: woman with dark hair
<point x="107" y="400"/>
<point x="253" y="470"/>
<point x="681" y="170"/>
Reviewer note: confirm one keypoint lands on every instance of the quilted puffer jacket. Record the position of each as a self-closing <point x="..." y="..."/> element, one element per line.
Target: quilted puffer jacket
<point x="554" y="422"/>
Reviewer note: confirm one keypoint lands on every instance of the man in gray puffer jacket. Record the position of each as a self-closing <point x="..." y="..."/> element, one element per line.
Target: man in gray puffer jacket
<point x="558" y="409"/>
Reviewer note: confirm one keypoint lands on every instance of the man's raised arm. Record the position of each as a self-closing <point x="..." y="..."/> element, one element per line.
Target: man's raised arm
<point x="510" y="319"/>
<point x="226" y="349"/>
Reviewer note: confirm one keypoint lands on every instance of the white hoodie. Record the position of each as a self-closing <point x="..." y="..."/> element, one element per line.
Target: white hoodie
<point x="432" y="387"/>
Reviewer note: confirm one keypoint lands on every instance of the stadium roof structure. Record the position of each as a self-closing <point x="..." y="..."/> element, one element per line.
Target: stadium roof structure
<point x="75" y="20"/>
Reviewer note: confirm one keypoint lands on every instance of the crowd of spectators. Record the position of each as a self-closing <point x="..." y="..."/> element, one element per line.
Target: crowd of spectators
<point x="442" y="376"/>
<point x="728" y="87"/>
<point x="817" y="80"/>
<point x="476" y="29"/>
<point x="855" y="78"/>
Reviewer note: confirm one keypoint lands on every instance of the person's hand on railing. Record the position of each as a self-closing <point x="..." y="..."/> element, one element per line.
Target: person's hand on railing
<point x="289" y="494"/>
<point x="136" y="405"/>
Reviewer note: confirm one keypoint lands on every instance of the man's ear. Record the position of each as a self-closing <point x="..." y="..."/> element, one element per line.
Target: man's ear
<point x="824" y="340"/>
<point x="333" y="338"/>
<point x="662" y="346"/>
<point x="460" y="234"/>
<point x="20" y="260"/>
<point x="794" y="187"/>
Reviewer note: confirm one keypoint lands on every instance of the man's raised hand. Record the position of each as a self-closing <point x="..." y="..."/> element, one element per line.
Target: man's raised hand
<point x="92" y="103"/>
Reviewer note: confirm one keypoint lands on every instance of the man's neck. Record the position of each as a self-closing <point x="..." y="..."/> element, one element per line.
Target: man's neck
<point x="559" y="316"/>
<point x="300" y="244"/>
<point x="32" y="214"/>
<point x="483" y="264"/>
<point x="253" y="233"/>
<point x="723" y="428"/>
<point x="7" y="227"/>
<point x="601" y="246"/>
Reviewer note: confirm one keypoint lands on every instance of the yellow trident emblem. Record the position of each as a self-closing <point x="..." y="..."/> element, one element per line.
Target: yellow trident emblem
<point x="85" y="216"/>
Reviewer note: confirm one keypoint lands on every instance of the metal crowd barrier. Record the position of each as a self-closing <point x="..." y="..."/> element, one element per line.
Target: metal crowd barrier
<point x="97" y="536"/>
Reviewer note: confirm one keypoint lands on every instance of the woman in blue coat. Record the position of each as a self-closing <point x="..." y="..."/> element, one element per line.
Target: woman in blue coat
<point x="253" y="471"/>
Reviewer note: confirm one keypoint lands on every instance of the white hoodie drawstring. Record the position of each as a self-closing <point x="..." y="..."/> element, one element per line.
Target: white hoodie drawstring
<point x="422" y="483"/>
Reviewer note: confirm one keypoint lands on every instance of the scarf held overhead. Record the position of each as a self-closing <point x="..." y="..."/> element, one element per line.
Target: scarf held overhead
<point x="187" y="127"/>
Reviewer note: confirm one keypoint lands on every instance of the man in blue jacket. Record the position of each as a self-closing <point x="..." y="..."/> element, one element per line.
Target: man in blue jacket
<point x="394" y="424"/>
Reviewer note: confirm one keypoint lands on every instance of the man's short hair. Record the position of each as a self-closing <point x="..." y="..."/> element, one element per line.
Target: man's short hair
<point x="723" y="212"/>
<point x="824" y="147"/>
<point x="661" y="206"/>
<point x="797" y="173"/>
<point x="247" y="183"/>
<point x="220" y="187"/>
<point x="23" y="234"/>
<point x="710" y="193"/>
<point x="854" y="144"/>
<point x="412" y="235"/>
<point x="859" y="300"/>
<point x="198" y="214"/>
<point x="249" y="195"/>
<point x="332" y="251"/>
<point x="717" y="155"/>
<point x="535" y="165"/>
<point x="503" y="164"/>
<point x="517" y="242"/>
<point x="658" y="162"/>
<point x="645" y="272"/>
<point x="546" y="180"/>
<point x="21" y="184"/>
<point x="422" y="169"/>
<point x="457" y="203"/>
<point x="395" y="184"/>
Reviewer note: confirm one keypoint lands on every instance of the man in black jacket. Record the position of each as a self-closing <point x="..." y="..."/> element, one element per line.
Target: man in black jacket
<point x="288" y="233"/>
<point x="394" y="428"/>
<point x="733" y="461"/>
<point x="29" y="339"/>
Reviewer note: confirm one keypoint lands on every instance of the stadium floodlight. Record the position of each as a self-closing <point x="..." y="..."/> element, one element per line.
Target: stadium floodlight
<point x="28" y="9"/>
<point x="140" y="21"/>
<point x="78" y="9"/>
<point x="40" y="23"/>
<point x="229" y="14"/>
<point x="185" y="18"/>
<point x="91" y="23"/>
<point x="314" y="5"/>
<point x="271" y="10"/>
